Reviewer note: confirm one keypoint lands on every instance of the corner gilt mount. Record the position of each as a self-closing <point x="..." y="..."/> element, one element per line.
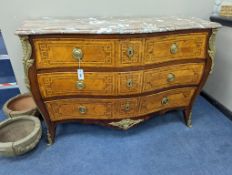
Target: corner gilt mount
<point x="27" y="61"/>
<point x="212" y="48"/>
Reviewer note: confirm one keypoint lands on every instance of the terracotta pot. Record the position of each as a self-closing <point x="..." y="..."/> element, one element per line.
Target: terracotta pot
<point x="22" y="104"/>
<point x="19" y="135"/>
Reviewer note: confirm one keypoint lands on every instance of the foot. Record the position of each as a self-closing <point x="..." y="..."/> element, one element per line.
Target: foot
<point x="50" y="141"/>
<point x="189" y="121"/>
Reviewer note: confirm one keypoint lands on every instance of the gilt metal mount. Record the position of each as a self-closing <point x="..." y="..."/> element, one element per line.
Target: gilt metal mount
<point x="212" y="48"/>
<point x="27" y="61"/>
<point x="126" y="123"/>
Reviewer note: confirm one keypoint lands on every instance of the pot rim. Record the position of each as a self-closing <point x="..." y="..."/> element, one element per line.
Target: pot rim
<point x="5" y="106"/>
<point x="35" y="130"/>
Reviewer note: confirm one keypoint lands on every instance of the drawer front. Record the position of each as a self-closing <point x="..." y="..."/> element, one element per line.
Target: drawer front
<point x="163" y="77"/>
<point x="175" y="47"/>
<point x="166" y="100"/>
<point x="66" y="83"/>
<point x="130" y="52"/>
<point x="130" y="82"/>
<point x="94" y="108"/>
<point x="127" y="107"/>
<point x="94" y="83"/>
<point x="80" y="109"/>
<point x="66" y="52"/>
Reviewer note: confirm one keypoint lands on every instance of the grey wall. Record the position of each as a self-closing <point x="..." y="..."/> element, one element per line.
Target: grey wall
<point x="12" y="13"/>
<point x="219" y="84"/>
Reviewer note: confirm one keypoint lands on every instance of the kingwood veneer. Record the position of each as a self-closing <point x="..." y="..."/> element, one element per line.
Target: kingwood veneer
<point x="133" y="67"/>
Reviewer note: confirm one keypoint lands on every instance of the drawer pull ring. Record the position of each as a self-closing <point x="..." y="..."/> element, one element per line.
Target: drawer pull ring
<point x="130" y="52"/>
<point x="164" y="101"/>
<point x="174" y="48"/>
<point x="129" y="83"/>
<point x="82" y="110"/>
<point x="171" y="77"/>
<point x="127" y="107"/>
<point x="77" y="54"/>
<point x="80" y="85"/>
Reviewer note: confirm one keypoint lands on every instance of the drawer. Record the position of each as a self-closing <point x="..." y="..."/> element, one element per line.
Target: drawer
<point x="175" y="47"/>
<point x="130" y="82"/>
<point x="168" y="76"/>
<point x="94" y="83"/>
<point x="66" y="83"/>
<point x="66" y="52"/>
<point x="166" y="100"/>
<point x="94" y="108"/>
<point x="130" y="52"/>
<point x="80" y="109"/>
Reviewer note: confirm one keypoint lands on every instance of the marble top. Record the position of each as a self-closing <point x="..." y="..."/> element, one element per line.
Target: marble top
<point x="111" y="25"/>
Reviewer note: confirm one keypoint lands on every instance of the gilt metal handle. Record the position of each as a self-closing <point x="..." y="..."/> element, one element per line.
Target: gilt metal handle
<point x="80" y="85"/>
<point x="171" y="77"/>
<point x="77" y="53"/>
<point x="82" y="109"/>
<point x="130" y="52"/>
<point x="164" y="101"/>
<point x="174" y="48"/>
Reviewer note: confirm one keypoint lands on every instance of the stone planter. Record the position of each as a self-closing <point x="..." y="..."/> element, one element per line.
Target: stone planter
<point x="22" y="104"/>
<point x="19" y="135"/>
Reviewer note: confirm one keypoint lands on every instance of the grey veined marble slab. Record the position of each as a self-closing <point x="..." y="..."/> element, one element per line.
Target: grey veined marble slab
<point x="111" y="25"/>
